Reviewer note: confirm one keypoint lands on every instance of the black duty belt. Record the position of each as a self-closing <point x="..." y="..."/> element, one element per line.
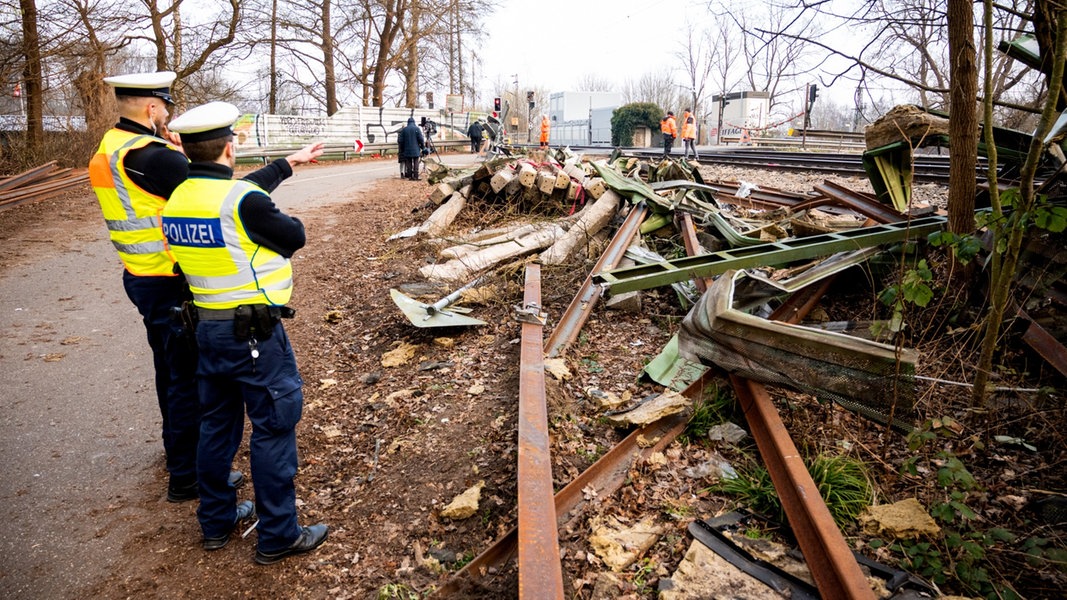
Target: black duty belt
<point x="227" y="314"/>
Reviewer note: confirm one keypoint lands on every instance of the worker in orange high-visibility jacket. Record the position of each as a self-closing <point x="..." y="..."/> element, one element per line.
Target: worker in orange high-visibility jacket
<point x="689" y="133"/>
<point x="544" y="131"/>
<point x="669" y="128"/>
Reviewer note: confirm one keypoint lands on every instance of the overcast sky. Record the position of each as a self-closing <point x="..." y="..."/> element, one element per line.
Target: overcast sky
<point x="553" y="43"/>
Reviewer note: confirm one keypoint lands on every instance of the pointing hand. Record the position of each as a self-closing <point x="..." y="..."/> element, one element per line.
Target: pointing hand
<point x="306" y="154"/>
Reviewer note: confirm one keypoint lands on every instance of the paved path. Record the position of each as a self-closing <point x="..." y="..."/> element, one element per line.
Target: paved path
<point x="79" y="423"/>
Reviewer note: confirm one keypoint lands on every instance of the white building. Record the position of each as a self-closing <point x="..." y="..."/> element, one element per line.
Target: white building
<point x="740" y="111"/>
<point x="582" y="118"/>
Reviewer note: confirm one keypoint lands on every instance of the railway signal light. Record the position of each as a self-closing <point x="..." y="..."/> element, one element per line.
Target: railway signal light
<point x="813" y="92"/>
<point x="496" y="104"/>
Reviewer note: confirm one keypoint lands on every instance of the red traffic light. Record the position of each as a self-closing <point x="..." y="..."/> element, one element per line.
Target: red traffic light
<point x="496" y="105"/>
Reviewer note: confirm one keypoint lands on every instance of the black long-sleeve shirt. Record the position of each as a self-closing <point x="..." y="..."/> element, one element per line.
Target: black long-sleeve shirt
<point x="157" y="169"/>
<point x="264" y="222"/>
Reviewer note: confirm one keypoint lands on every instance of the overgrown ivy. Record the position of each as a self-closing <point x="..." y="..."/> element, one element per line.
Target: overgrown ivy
<point x="627" y="118"/>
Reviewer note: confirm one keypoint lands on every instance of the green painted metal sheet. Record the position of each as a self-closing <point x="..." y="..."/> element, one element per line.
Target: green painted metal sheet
<point x="643" y="277"/>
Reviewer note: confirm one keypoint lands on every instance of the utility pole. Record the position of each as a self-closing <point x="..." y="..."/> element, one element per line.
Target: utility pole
<point x="515" y="98"/>
<point x="721" y="99"/>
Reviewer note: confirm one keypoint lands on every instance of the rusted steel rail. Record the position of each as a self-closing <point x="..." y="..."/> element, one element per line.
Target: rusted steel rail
<point x="830" y="560"/>
<point x="577" y="313"/>
<point x="1047" y="346"/>
<point x="605" y="476"/>
<point x="20" y="179"/>
<point x="40" y="191"/>
<point x="540" y="571"/>
<point x="835" y="570"/>
<point x="821" y="541"/>
<point x="692" y="246"/>
<point x="859" y="202"/>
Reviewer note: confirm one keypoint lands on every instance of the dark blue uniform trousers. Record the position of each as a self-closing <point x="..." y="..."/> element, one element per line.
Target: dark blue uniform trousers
<point x="269" y="389"/>
<point x="175" y="358"/>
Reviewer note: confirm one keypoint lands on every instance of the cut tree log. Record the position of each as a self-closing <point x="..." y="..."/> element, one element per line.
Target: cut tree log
<point x="905" y="122"/>
<point x="438" y="222"/>
<point x="461" y="250"/>
<point x="463" y="269"/>
<point x="594" y="217"/>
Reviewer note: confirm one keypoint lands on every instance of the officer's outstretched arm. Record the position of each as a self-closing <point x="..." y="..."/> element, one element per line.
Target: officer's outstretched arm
<point x="306" y="154"/>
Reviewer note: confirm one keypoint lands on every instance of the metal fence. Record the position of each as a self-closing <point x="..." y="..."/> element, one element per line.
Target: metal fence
<point x="370" y="126"/>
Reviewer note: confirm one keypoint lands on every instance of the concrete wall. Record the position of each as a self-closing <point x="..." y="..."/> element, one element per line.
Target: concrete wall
<point x="575" y="106"/>
<point x="370" y="125"/>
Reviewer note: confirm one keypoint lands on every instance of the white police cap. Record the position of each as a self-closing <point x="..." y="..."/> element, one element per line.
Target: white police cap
<point x="151" y="85"/>
<point x="206" y="122"/>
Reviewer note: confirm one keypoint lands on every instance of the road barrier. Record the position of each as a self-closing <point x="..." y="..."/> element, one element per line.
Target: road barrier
<point x="340" y="152"/>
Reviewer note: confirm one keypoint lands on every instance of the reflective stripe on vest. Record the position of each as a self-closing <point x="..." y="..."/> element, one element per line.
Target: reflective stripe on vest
<point x="688" y="126"/>
<point x="131" y="213"/>
<point x="223" y="266"/>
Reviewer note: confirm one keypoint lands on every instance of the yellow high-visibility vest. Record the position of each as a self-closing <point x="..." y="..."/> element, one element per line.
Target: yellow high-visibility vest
<point x="132" y="214"/>
<point x="223" y="266"/>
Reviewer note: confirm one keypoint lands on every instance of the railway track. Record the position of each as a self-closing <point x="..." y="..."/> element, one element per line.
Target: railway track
<point x="928" y="168"/>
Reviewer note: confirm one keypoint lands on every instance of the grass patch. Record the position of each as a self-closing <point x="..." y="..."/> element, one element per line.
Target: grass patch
<point x="842" y="483"/>
<point x="714" y="408"/>
<point x="397" y="591"/>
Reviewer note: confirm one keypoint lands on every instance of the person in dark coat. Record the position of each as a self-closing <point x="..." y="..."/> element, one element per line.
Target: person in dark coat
<point x="410" y="145"/>
<point x="475" y="133"/>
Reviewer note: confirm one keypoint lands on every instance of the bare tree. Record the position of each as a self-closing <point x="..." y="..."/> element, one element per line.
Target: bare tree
<point x="85" y="59"/>
<point x="963" y="116"/>
<point x="33" y="75"/>
<point x="592" y="82"/>
<point x="656" y="87"/>
<point x="776" y="59"/>
<point x="186" y="50"/>
<point x="725" y="48"/>
<point x="697" y="60"/>
<point x="1004" y="267"/>
<point x="308" y="42"/>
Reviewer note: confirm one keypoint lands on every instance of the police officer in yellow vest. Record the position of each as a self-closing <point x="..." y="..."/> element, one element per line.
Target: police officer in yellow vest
<point x="133" y="172"/>
<point x="234" y="245"/>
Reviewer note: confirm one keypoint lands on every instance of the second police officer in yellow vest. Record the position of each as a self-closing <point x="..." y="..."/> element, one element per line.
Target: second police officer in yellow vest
<point x="234" y="245"/>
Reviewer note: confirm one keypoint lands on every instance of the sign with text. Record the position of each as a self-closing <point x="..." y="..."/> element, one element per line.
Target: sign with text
<point x="454" y="103"/>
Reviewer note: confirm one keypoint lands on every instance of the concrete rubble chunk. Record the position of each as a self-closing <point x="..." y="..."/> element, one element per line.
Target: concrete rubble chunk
<point x="667" y="403"/>
<point x="618" y="545"/>
<point x="728" y="432"/>
<point x="703" y="574"/>
<point x="400" y="355"/>
<point x="557" y="368"/>
<point x="906" y="519"/>
<point x="464" y="505"/>
<point x="608" y="586"/>
<point x="606" y="400"/>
